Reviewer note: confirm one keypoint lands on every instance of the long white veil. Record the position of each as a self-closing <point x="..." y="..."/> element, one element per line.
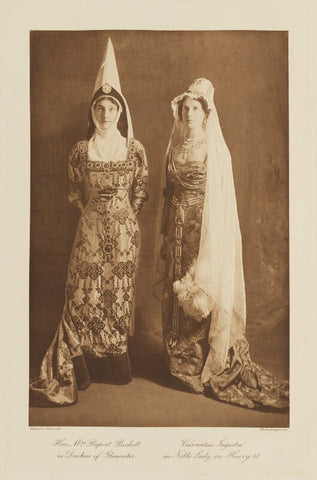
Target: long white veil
<point x="215" y="282"/>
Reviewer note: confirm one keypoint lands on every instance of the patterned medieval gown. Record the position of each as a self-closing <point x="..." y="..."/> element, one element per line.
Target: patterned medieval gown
<point x="99" y="297"/>
<point x="242" y="382"/>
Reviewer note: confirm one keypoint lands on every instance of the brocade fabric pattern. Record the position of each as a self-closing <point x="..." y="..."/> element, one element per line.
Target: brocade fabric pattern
<point x="100" y="285"/>
<point x="242" y="382"/>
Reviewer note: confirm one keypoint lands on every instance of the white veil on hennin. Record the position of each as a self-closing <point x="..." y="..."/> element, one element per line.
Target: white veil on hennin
<point x="110" y="144"/>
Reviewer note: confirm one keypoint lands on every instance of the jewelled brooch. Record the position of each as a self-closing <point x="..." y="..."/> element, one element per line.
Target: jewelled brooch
<point x="106" y="88"/>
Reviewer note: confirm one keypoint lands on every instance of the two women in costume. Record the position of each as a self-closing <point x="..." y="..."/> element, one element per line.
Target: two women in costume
<point x="203" y="300"/>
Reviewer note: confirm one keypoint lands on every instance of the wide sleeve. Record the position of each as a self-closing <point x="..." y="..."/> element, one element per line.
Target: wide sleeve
<point x="139" y="193"/>
<point x="76" y="192"/>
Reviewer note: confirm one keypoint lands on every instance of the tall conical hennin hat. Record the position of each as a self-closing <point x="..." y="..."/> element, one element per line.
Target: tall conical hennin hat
<point x="108" y="84"/>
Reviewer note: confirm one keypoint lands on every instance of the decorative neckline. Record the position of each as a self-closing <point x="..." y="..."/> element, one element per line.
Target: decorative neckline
<point x="128" y="157"/>
<point x="190" y="145"/>
<point x="198" y="138"/>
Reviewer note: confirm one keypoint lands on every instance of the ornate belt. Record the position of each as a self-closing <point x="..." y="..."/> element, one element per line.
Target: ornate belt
<point x="107" y="193"/>
<point x="179" y="221"/>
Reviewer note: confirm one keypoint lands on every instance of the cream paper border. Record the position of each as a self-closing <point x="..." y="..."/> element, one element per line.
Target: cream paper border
<point x="27" y="453"/>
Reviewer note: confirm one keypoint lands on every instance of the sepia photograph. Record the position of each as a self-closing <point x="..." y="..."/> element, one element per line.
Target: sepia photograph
<point x="159" y="228"/>
<point x="158" y="220"/>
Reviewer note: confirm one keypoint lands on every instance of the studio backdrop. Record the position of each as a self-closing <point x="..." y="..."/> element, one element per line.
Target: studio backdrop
<point x="249" y="71"/>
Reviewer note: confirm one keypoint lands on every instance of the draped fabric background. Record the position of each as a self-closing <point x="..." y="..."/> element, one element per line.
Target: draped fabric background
<point x="249" y="71"/>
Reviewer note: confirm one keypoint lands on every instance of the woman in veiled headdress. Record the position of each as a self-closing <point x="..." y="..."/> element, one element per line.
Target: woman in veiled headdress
<point x="203" y="298"/>
<point x="108" y="178"/>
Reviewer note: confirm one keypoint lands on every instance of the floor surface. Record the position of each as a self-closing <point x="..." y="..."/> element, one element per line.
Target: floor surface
<point x="149" y="401"/>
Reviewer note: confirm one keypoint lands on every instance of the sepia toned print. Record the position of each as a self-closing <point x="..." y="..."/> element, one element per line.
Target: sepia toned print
<point x="253" y="114"/>
<point x="108" y="177"/>
<point x="204" y="311"/>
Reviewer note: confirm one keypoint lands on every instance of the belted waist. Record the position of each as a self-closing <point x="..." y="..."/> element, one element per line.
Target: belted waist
<point x="107" y="193"/>
<point x="188" y="202"/>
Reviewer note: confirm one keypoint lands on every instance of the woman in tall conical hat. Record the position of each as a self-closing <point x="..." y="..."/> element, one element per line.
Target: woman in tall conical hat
<point x="203" y="295"/>
<point x="108" y="179"/>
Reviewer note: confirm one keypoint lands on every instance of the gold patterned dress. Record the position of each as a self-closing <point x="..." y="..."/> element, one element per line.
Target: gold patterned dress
<point x="92" y="337"/>
<point x="186" y="346"/>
